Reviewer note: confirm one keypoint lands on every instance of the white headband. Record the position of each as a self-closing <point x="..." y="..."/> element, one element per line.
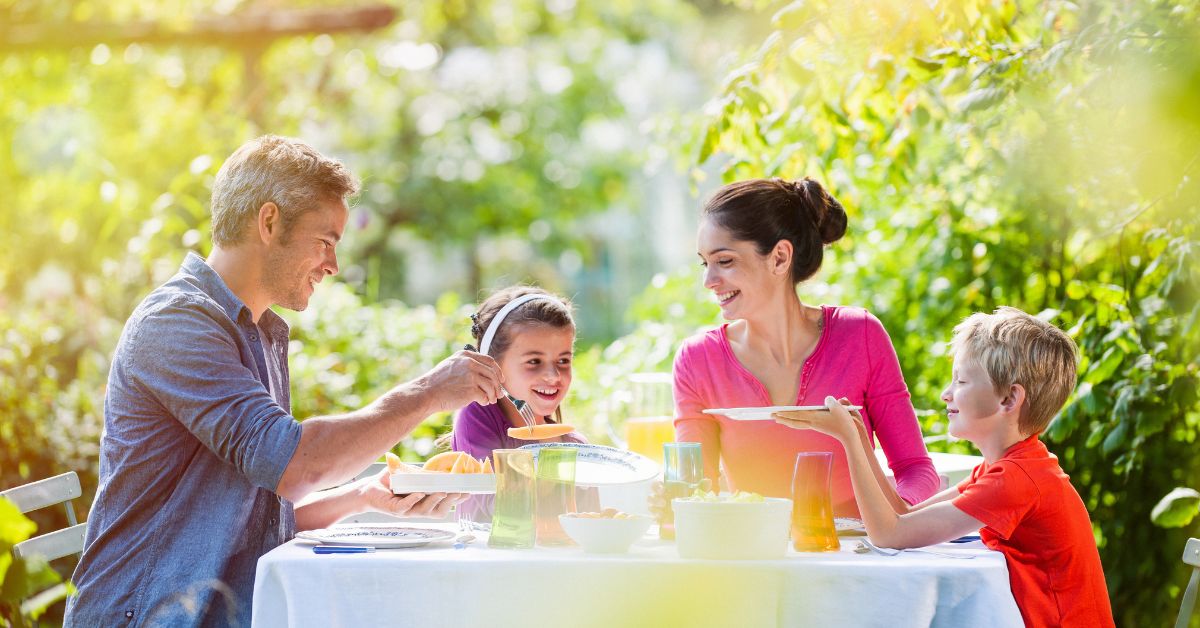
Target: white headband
<point x="486" y="343"/>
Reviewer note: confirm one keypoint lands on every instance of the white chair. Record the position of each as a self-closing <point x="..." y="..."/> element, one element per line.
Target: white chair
<point x="1191" y="556"/>
<point x="60" y="489"/>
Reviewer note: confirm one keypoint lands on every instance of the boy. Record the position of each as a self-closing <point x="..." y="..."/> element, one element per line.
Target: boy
<point x="1012" y="373"/>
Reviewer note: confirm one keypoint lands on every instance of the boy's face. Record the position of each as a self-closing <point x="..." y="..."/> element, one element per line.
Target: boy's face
<point x="972" y="404"/>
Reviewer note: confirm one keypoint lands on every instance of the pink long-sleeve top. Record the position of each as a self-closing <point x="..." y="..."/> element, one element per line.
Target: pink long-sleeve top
<point x="854" y="358"/>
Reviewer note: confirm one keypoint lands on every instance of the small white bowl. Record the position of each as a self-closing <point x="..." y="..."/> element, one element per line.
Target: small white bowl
<point x="605" y="536"/>
<point x="732" y="530"/>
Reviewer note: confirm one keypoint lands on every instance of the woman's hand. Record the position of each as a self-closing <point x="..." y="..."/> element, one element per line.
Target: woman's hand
<point x="377" y="493"/>
<point x="836" y="421"/>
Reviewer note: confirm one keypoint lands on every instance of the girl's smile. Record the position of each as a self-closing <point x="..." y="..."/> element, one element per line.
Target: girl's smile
<point x="537" y="365"/>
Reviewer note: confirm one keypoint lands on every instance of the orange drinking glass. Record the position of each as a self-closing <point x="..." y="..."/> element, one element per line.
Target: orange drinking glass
<point x="555" y="486"/>
<point x="812" y="509"/>
<point x="646" y="435"/>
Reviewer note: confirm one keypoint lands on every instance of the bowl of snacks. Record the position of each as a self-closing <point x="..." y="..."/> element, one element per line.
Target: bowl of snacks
<point x="741" y="526"/>
<point x="608" y="532"/>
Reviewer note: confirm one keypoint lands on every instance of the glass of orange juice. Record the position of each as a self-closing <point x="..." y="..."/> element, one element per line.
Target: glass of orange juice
<point x="646" y="435"/>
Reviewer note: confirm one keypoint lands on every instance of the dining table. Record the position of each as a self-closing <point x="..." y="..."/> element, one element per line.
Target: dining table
<point x="462" y="582"/>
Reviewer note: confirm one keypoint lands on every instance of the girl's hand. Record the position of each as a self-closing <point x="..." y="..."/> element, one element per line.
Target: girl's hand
<point x="657" y="500"/>
<point x="377" y="493"/>
<point x="836" y="421"/>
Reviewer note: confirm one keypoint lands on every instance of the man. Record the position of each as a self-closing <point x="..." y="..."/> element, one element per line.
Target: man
<point x="202" y="467"/>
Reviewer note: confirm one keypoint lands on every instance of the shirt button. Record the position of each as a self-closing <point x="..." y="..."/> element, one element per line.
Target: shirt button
<point x="128" y="614"/>
<point x="253" y="337"/>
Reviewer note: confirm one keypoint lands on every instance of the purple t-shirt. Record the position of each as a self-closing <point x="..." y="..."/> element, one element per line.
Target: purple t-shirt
<point x="478" y="430"/>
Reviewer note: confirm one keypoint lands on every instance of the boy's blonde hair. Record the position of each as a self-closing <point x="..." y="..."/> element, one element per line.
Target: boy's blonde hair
<point x="1016" y="348"/>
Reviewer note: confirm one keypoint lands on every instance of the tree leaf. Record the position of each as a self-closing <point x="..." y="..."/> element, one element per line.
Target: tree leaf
<point x="1115" y="438"/>
<point x="1176" y="509"/>
<point x="980" y="99"/>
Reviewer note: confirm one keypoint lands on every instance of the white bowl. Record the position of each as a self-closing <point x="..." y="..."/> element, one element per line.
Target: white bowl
<point x="732" y="530"/>
<point x="605" y="536"/>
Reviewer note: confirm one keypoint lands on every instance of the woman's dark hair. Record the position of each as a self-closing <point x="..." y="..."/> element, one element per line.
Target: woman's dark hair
<point x="553" y="312"/>
<point x="765" y="211"/>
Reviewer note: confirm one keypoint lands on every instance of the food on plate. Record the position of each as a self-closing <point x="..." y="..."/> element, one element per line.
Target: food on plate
<point x="738" y="497"/>
<point x="607" y="513"/>
<point x="446" y="462"/>
<point x="395" y="465"/>
<point x="540" y="432"/>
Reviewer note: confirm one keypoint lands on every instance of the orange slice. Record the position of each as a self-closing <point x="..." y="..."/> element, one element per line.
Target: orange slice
<point x="465" y="464"/>
<point x="443" y="462"/>
<point x="539" y="432"/>
<point x="396" y="466"/>
<point x="393" y="462"/>
<point x="487" y="466"/>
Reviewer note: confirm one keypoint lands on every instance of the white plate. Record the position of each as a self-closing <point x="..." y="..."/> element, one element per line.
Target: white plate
<point x="474" y="483"/>
<point x="377" y="535"/>
<point x="597" y="465"/>
<point x="764" y="413"/>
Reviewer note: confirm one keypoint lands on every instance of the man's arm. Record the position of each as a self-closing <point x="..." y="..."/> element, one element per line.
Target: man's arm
<point x="333" y="449"/>
<point x="322" y="509"/>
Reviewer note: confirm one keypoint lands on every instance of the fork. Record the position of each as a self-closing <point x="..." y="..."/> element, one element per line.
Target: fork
<point x="865" y="545"/>
<point x="523" y="408"/>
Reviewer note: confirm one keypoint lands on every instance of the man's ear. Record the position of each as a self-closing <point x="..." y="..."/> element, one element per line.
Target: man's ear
<point x="1015" y="398"/>
<point x="780" y="257"/>
<point x="269" y="222"/>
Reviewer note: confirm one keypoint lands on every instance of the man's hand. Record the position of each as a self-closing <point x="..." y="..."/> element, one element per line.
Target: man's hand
<point x="462" y="378"/>
<point x="836" y="421"/>
<point x="377" y="493"/>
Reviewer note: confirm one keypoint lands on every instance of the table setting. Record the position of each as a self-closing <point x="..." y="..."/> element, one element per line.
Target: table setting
<point x="710" y="560"/>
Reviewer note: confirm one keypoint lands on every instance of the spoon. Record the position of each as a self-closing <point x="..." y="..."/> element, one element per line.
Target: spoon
<point x="865" y="545"/>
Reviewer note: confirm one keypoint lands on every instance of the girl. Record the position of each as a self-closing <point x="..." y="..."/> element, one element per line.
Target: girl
<point x="531" y="335"/>
<point x="758" y="240"/>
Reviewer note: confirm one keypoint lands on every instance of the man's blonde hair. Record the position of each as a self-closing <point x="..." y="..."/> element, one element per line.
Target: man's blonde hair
<point x="273" y="169"/>
<point x="1016" y="348"/>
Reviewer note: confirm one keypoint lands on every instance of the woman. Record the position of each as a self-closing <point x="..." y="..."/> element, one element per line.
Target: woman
<point x="757" y="241"/>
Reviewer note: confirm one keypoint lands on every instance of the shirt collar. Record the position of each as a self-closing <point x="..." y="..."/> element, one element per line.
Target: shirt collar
<point x="214" y="286"/>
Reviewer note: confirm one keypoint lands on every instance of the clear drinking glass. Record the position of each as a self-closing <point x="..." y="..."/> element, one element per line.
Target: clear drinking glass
<point x="683" y="469"/>
<point x="812" y="509"/>
<point x="512" y="513"/>
<point x="555" y="493"/>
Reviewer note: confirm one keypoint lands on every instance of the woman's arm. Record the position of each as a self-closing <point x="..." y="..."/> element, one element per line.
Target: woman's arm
<point x="893" y="420"/>
<point x="691" y="424"/>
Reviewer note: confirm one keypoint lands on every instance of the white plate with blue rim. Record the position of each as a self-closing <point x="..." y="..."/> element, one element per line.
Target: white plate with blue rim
<point x="764" y="413"/>
<point x="380" y="535"/>
<point x="597" y="465"/>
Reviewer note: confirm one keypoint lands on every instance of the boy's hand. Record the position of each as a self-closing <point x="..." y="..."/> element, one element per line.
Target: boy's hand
<point x="837" y="421"/>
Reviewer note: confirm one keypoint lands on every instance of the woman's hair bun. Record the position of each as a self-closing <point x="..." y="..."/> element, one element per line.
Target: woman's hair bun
<point x="819" y="206"/>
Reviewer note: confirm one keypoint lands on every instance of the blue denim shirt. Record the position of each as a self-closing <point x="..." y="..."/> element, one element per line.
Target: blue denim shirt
<point x="197" y="433"/>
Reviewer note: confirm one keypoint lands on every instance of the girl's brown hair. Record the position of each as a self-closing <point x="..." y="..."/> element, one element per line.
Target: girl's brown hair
<point x="553" y="312"/>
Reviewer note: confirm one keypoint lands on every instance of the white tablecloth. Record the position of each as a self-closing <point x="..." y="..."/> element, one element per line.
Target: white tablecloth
<point x="479" y="587"/>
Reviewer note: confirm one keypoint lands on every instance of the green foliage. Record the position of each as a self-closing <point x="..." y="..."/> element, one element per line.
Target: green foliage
<point x="344" y="354"/>
<point x="27" y="586"/>
<point x="671" y="308"/>
<point x="1035" y="154"/>
<point x="1177" y="508"/>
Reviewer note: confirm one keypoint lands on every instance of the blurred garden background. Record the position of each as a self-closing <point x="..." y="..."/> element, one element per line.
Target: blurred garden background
<point x="1041" y="154"/>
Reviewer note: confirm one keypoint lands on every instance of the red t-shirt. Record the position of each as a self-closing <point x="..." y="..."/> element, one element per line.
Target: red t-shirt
<point x="1033" y="515"/>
